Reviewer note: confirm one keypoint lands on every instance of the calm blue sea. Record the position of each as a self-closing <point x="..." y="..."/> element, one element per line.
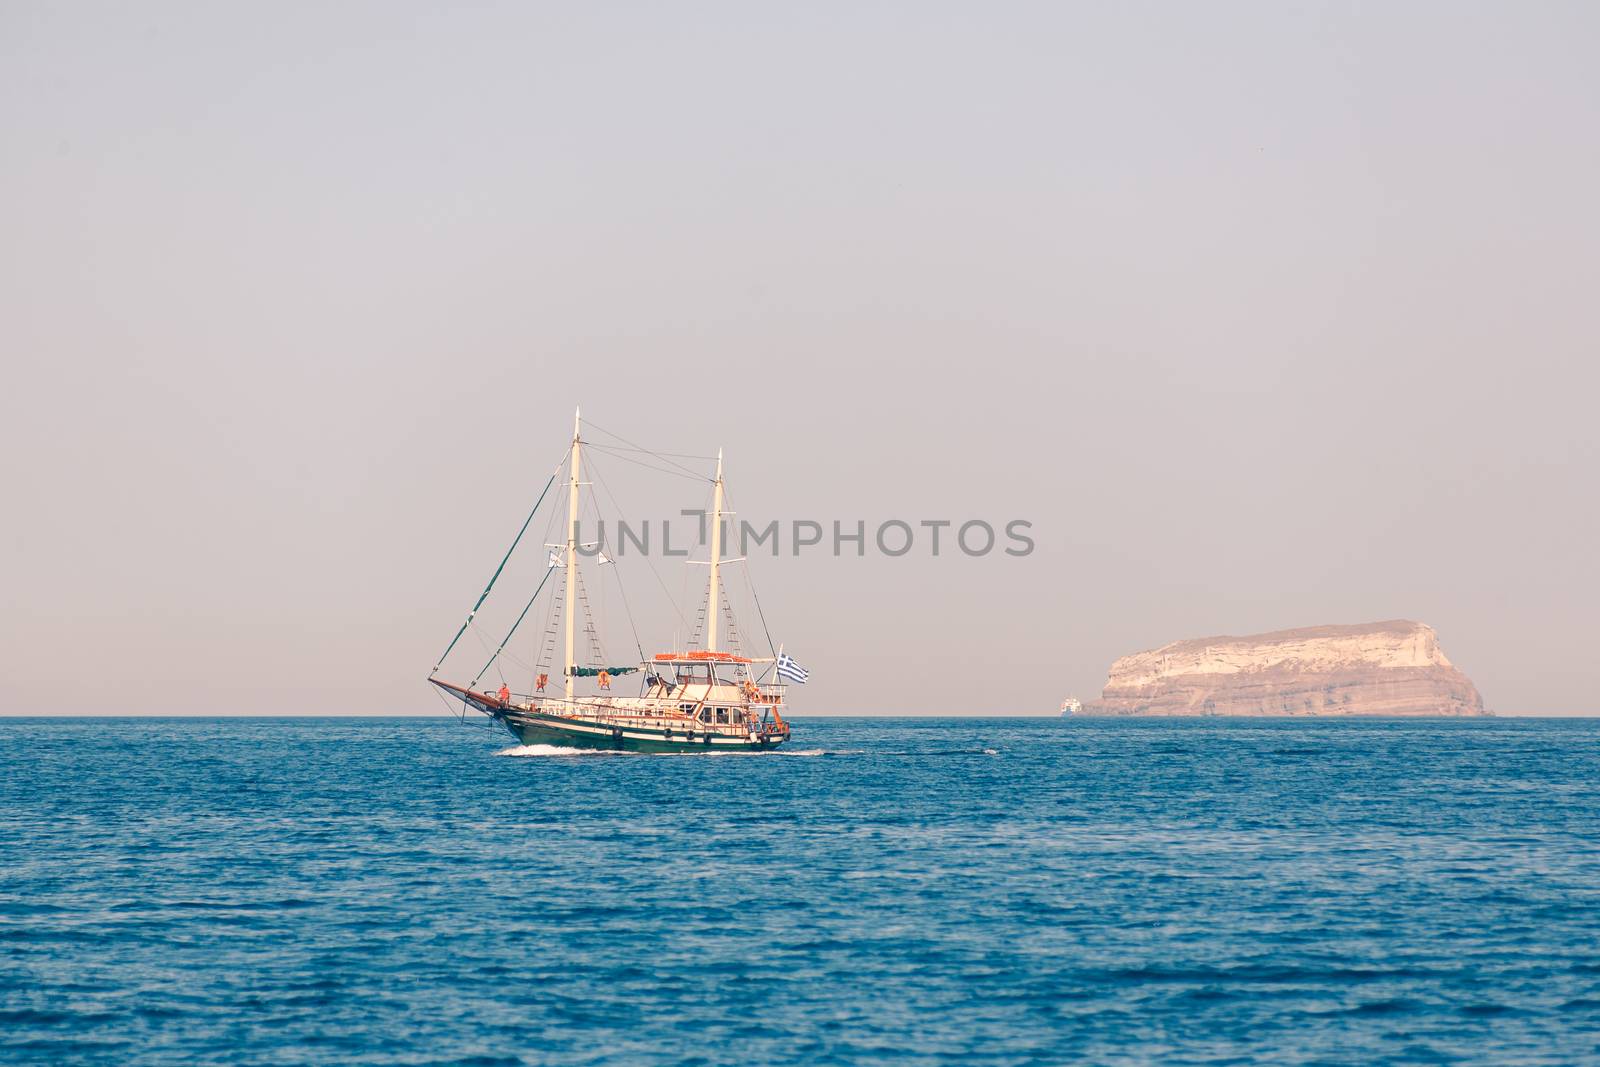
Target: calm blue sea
<point x="359" y="891"/>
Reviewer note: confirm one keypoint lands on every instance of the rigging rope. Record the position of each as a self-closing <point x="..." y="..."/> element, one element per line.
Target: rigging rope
<point x="552" y="609"/>
<point x="627" y="609"/>
<point x="638" y="447"/>
<point x="654" y="452"/>
<point x="449" y="704"/>
<point x="496" y="576"/>
<point x="751" y="585"/>
<point x="597" y="651"/>
<point x="602" y="483"/>
<point x="514" y="626"/>
<point x="616" y="454"/>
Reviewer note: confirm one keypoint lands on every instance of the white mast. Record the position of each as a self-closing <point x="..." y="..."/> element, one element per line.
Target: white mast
<point x="716" y="560"/>
<point x="572" y="551"/>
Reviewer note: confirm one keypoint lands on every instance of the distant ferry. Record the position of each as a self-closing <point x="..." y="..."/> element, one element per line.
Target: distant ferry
<point x="1071" y="706"/>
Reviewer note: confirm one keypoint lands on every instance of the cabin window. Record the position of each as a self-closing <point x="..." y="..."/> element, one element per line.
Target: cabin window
<point x="687" y="709"/>
<point x="722" y="716"/>
<point x="705" y="714"/>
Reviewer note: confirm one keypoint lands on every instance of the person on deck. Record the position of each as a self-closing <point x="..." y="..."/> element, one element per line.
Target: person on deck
<point x="505" y="693"/>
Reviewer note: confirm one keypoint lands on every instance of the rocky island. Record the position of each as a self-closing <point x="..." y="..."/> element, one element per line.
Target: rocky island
<point x="1379" y="668"/>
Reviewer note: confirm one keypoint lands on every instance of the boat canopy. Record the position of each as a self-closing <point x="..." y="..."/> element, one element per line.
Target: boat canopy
<point x="700" y="655"/>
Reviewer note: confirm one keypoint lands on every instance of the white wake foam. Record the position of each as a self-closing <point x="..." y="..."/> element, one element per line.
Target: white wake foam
<point x="555" y="750"/>
<point x="525" y="751"/>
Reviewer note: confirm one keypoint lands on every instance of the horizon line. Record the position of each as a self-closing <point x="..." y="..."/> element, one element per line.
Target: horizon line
<point x="808" y="715"/>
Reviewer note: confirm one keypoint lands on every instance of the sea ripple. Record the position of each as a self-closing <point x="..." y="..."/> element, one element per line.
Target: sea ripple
<point x="909" y="891"/>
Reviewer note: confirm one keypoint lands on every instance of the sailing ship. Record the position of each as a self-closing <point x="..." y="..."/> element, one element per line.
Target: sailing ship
<point x="699" y="698"/>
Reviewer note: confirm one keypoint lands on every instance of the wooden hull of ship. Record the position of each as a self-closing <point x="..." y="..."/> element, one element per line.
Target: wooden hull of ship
<point x="536" y="729"/>
<point x="533" y="727"/>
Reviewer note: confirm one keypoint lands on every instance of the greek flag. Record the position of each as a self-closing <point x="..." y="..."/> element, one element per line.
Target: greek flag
<point x="788" y="668"/>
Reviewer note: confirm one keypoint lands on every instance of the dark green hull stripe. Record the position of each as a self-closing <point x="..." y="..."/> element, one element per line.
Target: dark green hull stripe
<point x="553" y="732"/>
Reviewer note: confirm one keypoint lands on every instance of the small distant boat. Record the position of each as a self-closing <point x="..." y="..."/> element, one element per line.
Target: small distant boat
<point x="702" y="697"/>
<point x="1071" y="706"/>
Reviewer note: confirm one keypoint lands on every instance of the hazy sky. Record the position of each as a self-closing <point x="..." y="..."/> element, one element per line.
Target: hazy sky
<point x="1264" y="315"/>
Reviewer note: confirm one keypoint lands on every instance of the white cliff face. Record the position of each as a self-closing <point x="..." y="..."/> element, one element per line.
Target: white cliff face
<point x="1315" y="649"/>
<point x="1386" y="668"/>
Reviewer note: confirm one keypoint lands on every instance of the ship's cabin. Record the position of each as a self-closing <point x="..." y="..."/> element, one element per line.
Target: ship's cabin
<point x="667" y="685"/>
<point x="676" y="671"/>
<point x="713" y="688"/>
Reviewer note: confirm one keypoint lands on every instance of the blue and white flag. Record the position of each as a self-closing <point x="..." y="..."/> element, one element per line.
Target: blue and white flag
<point x="788" y="668"/>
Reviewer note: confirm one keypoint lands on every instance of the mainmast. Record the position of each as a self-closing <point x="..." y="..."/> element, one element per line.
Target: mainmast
<point x="572" y="551"/>
<point x="716" y="560"/>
